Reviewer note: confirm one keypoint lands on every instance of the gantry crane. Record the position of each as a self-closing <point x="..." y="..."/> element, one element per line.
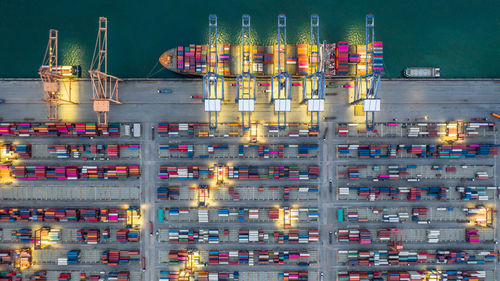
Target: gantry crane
<point x="104" y="86"/>
<point x="367" y="87"/>
<point x="212" y="97"/>
<point x="397" y="243"/>
<point x="313" y="85"/>
<point x="246" y="81"/>
<point x="53" y="76"/>
<point x="281" y="82"/>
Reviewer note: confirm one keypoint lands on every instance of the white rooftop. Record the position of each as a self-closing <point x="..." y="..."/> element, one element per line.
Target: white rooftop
<point x="371" y="105"/>
<point x="281" y="105"/>
<point x="246" y="105"/>
<point x="316" y="105"/>
<point x="212" y="105"/>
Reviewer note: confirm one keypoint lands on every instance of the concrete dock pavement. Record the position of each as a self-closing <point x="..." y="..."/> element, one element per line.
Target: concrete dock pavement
<point x="439" y="100"/>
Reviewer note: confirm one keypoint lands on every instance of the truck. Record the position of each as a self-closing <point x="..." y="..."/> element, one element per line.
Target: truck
<point x="143" y="264"/>
<point x="137" y="130"/>
<point x="150" y="228"/>
<point x="164" y="91"/>
<point x="495" y="115"/>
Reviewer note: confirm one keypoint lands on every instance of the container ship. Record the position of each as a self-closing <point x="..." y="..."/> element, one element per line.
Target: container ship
<point x="339" y="59"/>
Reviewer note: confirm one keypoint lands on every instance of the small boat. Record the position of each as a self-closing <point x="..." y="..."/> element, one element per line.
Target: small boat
<point x="422" y="72"/>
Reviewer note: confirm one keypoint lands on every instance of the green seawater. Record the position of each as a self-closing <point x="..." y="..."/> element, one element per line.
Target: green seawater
<point x="462" y="37"/>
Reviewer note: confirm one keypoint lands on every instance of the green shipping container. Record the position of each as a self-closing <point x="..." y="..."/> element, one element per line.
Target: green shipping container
<point x="340" y="215"/>
<point x="160" y="215"/>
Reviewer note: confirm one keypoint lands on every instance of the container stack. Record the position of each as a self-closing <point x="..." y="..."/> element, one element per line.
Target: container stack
<point x="89" y="215"/>
<point x="201" y="59"/>
<point x="74" y="172"/>
<point x="203" y="215"/>
<point x="162" y="128"/>
<point x="134" y="171"/>
<point x="22" y="235"/>
<point x="224" y="59"/>
<point x="257" y="60"/>
<point x="433" y="236"/>
<point x="112" y="257"/>
<point x="189" y="59"/>
<point x="183" y="236"/>
<point x="269" y="59"/>
<point x="118" y="276"/>
<point x="294" y="275"/>
<point x="481" y="175"/>
<point x="313" y="172"/>
<point x="342" y="58"/>
<point x="181" y="173"/>
<point x="113" y="151"/>
<point x="472" y="236"/>
<point x="378" y="57"/>
<point x="177" y="257"/>
<point x="106" y="234"/>
<point x="64" y="277"/>
<point x="58" y="129"/>
<point x="354" y="58"/>
<point x="180" y="58"/>
<point x="60" y="150"/>
<point x="73" y="257"/>
<point x="303" y="59"/>
<point x="6" y="257"/>
<point x="51" y="236"/>
<point x="89" y="236"/>
<point x="23" y="150"/>
<point x="353" y="174"/>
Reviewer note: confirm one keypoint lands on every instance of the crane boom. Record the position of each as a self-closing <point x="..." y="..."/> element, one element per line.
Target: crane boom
<point x="281" y="82"/>
<point x="313" y="88"/>
<point x="104" y="86"/>
<point x="367" y="86"/>
<point x="246" y="82"/>
<point x="212" y="97"/>
<point x="52" y="76"/>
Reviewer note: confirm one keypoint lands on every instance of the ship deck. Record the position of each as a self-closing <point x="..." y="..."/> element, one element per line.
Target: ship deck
<point x="169" y="60"/>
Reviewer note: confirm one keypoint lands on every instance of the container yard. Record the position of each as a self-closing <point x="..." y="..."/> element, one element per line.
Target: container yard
<point x="55" y="223"/>
<point x="415" y="201"/>
<point x="182" y="201"/>
<point x="200" y="180"/>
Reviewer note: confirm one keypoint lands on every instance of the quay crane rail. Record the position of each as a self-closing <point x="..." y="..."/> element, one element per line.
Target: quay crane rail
<point x="104" y="86"/>
<point x="52" y="75"/>
<point x="367" y="87"/>
<point x="282" y="80"/>
<point x="313" y="85"/>
<point x="246" y="82"/>
<point x="212" y="97"/>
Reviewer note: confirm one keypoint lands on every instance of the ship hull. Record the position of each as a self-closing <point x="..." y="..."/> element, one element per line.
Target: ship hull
<point x="337" y="60"/>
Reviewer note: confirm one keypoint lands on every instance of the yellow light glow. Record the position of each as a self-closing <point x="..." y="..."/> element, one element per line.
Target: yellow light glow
<point x="22" y="258"/>
<point x="70" y="91"/>
<point x="433" y="275"/>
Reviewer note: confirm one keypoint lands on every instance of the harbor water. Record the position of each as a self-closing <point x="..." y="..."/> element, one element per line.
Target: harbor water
<point x="461" y="37"/>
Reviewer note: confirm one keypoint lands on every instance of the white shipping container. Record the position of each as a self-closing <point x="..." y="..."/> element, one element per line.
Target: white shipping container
<point x="137" y="130"/>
